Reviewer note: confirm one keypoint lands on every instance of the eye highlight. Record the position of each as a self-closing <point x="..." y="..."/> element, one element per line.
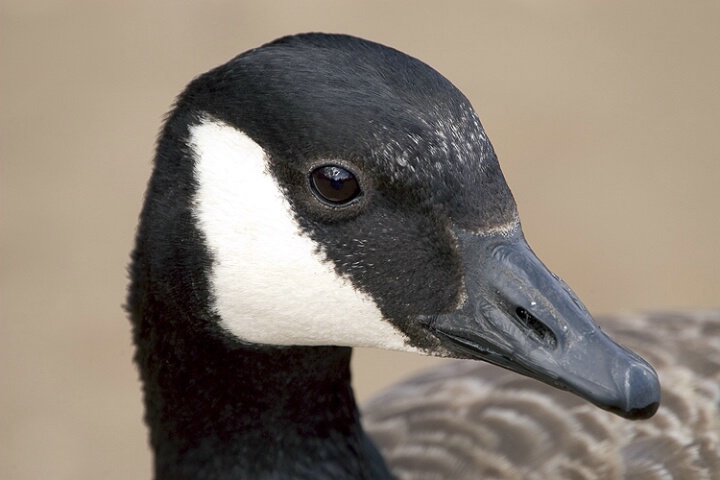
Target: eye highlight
<point x="334" y="185"/>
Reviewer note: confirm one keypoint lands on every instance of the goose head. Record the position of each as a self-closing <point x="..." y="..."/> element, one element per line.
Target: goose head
<point x="323" y="190"/>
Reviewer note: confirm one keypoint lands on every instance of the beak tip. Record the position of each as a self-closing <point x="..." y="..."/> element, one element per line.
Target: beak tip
<point x="645" y="412"/>
<point x="643" y="387"/>
<point x="638" y="393"/>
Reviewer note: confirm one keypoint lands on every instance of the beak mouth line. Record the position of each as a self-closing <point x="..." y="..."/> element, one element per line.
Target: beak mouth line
<point x="484" y="351"/>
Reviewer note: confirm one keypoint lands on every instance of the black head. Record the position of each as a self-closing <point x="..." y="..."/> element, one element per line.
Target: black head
<point x="329" y="190"/>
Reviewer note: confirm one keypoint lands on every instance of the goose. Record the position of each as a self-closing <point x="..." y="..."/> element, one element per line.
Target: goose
<point x="323" y="192"/>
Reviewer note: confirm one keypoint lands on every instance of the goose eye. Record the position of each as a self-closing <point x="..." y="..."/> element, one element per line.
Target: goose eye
<point x="335" y="185"/>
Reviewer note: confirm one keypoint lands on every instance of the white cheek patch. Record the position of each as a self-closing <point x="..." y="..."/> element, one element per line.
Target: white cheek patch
<point x="269" y="284"/>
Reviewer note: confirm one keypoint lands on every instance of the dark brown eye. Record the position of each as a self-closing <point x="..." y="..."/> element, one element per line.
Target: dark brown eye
<point x="333" y="184"/>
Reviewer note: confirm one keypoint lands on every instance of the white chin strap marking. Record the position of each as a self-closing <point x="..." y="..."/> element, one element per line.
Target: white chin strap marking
<point x="269" y="284"/>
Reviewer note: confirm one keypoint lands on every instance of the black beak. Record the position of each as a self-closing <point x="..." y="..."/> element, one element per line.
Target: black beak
<point x="520" y="316"/>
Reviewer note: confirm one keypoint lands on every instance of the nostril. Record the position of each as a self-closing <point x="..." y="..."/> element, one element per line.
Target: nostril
<point x="536" y="327"/>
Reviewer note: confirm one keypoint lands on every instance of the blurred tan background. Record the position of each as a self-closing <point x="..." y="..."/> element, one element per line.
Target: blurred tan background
<point x="605" y="116"/>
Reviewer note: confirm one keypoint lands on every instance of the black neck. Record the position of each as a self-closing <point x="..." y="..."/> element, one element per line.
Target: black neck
<point x="222" y="410"/>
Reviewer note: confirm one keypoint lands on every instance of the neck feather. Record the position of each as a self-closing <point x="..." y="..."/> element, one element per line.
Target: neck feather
<point x="223" y="410"/>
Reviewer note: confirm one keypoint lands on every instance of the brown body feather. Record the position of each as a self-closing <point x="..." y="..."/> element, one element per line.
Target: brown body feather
<point x="471" y="420"/>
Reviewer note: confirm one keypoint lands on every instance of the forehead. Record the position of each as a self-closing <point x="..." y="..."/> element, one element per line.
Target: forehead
<point x="442" y="144"/>
<point x="448" y="163"/>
